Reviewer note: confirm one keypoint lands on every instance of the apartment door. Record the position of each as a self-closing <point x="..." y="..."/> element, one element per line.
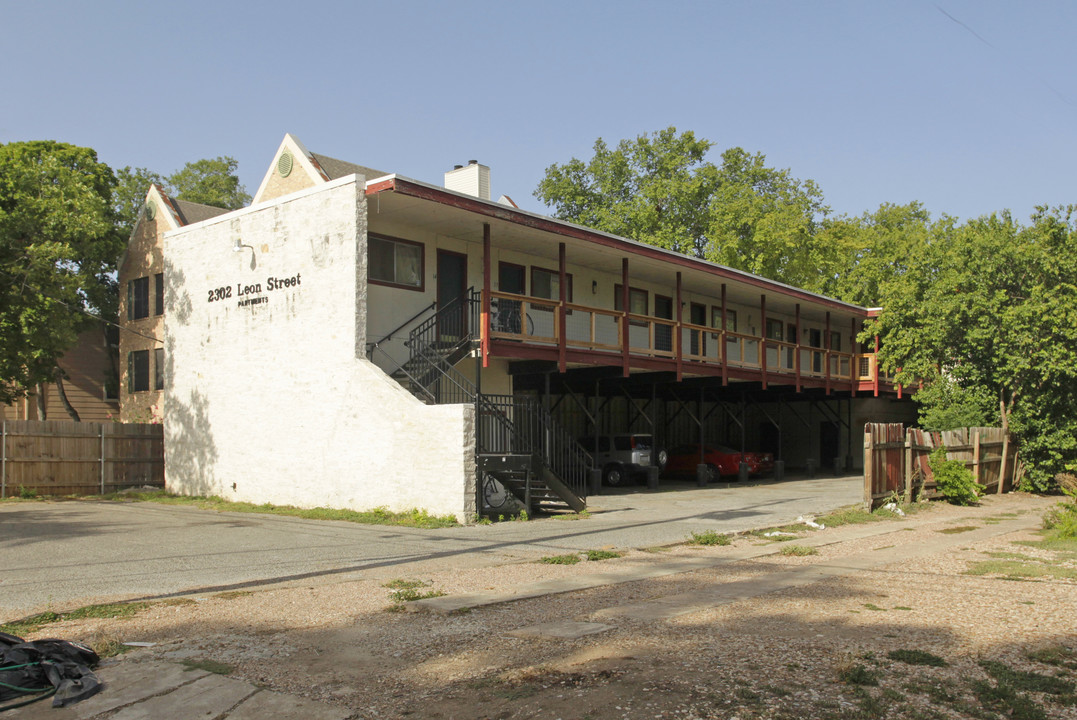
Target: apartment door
<point x="451" y="296"/>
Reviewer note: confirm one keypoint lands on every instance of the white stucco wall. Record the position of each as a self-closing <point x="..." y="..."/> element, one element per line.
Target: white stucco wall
<point x="274" y="401"/>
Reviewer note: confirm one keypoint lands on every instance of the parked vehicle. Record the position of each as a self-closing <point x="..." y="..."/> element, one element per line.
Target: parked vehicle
<point x="719" y="459"/>
<point x="623" y="457"/>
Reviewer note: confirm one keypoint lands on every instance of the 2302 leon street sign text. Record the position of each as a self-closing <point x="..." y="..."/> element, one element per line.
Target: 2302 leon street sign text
<point x="243" y="292"/>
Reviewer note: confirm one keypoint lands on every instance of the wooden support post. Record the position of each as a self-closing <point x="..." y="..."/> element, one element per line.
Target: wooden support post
<point x="1005" y="447"/>
<point x="826" y="352"/>
<point x="763" y="338"/>
<point x="484" y="318"/>
<point x="976" y="456"/>
<point x="854" y="364"/>
<point x="725" y="343"/>
<point x="797" y="351"/>
<point x="625" y="342"/>
<point x="679" y="330"/>
<point x="102" y="433"/>
<point x="908" y="466"/>
<point x="876" y="366"/>
<point x="869" y="469"/>
<point x="562" y="322"/>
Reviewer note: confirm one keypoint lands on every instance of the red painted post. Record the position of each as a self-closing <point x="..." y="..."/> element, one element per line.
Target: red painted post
<point x="562" y="323"/>
<point x="725" y="345"/>
<point x="876" y="366"/>
<point x="624" y="319"/>
<point x="763" y="337"/>
<point x="797" y="351"/>
<point x="484" y="342"/>
<point x="826" y="354"/>
<point x="678" y="330"/>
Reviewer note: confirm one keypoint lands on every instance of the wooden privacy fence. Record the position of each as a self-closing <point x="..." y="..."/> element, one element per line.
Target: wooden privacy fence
<point x="896" y="459"/>
<point x="58" y="457"/>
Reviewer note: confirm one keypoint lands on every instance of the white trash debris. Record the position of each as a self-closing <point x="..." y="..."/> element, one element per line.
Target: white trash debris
<point x="892" y="507"/>
<point x="810" y="522"/>
<point x="776" y="533"/>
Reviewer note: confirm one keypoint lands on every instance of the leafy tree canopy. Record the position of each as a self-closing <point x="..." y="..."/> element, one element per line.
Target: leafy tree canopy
<point x="58" y="247"/>
<point x="661" y="189"/>
<point x="986" y="314"/>
<point x="209" y="182"/>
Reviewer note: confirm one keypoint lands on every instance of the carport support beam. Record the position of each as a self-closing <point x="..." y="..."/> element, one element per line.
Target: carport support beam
<point x="702" y="473"/>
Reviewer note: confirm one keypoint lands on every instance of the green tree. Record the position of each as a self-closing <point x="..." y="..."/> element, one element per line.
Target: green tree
<point x="765" y="221"/>
<point x="986" y="315"/>
<point x="58" y="249"/>
<point x="654" y="189"/>
<point x="660" y="189"/>
<point x="210" y="182"/>
<point x="132" y="184"/>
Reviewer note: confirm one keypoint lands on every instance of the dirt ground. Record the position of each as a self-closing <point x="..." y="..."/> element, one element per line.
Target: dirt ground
<point x="835" y="634"/>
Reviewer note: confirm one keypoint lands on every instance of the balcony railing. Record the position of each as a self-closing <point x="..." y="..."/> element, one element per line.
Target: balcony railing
<point x="536" y="321"/>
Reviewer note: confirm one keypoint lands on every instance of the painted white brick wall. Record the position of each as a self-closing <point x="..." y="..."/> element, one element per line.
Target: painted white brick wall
<point x="275" y="401"/>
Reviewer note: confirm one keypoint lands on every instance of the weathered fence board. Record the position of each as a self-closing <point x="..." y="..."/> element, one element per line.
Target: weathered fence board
<point x="985" y="451"/>
<point x="58" y="457"/>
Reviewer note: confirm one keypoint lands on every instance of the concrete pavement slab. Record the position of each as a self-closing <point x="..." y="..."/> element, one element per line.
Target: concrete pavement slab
<point x="563" y="630"/>
<point x="210" y="697"/>
<point x="279" y="706"/>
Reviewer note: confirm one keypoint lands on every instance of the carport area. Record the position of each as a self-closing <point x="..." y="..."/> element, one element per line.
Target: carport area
<point x="810" y="432"/>
<point x="63" y="555"/>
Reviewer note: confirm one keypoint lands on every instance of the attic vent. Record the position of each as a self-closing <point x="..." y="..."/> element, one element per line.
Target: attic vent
<point x="284" y="164"/>
<point x="151" y="210"/>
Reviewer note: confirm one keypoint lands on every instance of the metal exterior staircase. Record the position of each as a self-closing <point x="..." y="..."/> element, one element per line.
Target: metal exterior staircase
<point x="518" y="443"/>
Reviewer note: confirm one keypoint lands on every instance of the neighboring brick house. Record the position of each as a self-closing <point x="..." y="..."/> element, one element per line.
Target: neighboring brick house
<point x="142" y="357"/>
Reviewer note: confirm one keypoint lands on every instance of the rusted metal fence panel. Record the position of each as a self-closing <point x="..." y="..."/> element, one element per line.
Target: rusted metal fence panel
<point x="987" y="452"/>
<point x="58" y="457"/>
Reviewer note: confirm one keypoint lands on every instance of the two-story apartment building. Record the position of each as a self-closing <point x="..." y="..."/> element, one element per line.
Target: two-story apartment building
<point x="295" y="328"/>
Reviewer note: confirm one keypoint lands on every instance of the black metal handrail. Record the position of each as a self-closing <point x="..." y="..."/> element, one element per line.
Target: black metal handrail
<point x="372" y="346"/>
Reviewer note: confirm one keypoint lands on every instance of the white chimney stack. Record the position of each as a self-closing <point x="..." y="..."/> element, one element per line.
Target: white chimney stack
<point x="470" y="179"/>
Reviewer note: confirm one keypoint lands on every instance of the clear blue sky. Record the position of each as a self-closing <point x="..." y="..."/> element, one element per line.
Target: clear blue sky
<point x="965" y="105"/>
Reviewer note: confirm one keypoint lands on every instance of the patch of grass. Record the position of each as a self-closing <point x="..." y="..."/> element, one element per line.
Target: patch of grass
<point x="917" y="657"/>
<point x="775" y="690"/>
<point x="567" y="559"/>
<point x="377" y="516"/>
<point x="798" y="550"/>
<point x="748" y="695"/>
<point x="902" y="607"/>
<point x="409" y="590"/>
<point x="107" y="611"/>
<point x="108" y="646"/>
<point x="1027" y="681"/>
<point x="957" y="529"/>
<point x="710" y="537"/>
<point x="854" y="673"/>
<point x="233" y="594"/>
<point x="211" y="666"/>
<point x="873" y="606"/>
<point x="26" y="493"/>
<point x="602" y="554"/>
<point x="938" y="692"/>
<point x="1055" y="655"/>
<point x="656" y="549"/>
<point x="581" y="515"/>
<point x="1005" y="699"/>
<point x="852" y="515"/>
<point x="1020" y="570"/>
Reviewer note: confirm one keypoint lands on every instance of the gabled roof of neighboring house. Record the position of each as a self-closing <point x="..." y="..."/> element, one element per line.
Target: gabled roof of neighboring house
<point x="191" y="212"/>
<point x="339" y="168"/>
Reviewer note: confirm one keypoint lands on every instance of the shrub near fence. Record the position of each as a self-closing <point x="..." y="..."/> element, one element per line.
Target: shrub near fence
<point x="58" y="457"/>
<point x="896" y="459"/>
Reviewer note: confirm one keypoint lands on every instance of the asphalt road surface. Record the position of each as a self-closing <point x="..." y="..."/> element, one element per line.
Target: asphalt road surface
<point x="57" y="555"/>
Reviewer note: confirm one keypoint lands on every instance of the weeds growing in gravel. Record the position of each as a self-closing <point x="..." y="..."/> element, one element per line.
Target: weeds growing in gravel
<point x="567" y="559"/>
<point x="602" y="554"/>
<point x="917" y="657"/>
<point x="710" y="537"/>
<point x="798" y="550"/>
<point x="36" y="622"/>
<point x="211" y="666"/>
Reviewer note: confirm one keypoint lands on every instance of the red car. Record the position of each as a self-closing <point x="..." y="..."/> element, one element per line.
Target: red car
<point x="719" y="459"/>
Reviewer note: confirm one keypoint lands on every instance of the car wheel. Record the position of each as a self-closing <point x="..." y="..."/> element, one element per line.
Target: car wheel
<point x="663" y="458"/>
<point x="712" y="474"/>
<point x="614" y="476"/>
